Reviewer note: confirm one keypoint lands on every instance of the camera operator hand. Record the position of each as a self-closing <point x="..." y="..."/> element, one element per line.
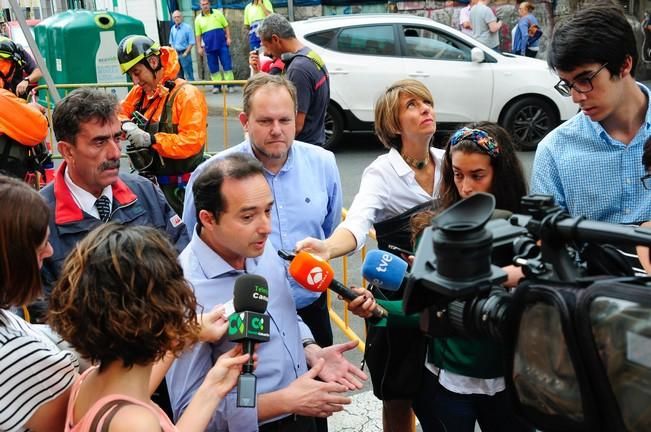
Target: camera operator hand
<point x="514" y="274"/>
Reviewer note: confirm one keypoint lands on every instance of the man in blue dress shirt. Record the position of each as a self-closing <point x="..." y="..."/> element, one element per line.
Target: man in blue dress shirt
<point x="591" y="164"/>
<point x="234" y="209"/>
<point x="304" y="180"/>
<point x="182" y="40"/>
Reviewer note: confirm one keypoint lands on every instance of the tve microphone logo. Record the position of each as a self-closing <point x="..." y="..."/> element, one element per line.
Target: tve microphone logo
<point x="384" y="263"/>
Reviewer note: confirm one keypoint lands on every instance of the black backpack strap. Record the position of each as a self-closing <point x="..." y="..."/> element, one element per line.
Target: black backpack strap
<point x="316" y="60"/>
<point x="169" y="103"/>
<point x="5" y="148"/>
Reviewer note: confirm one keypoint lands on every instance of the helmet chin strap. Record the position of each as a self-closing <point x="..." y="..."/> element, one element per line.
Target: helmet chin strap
<point x="151" y="69"/>
<point x="6" y="81"/>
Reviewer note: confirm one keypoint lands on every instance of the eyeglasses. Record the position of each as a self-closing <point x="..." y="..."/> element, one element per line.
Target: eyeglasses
<point x="580" y="85"/>
<point x="646" y="181"/>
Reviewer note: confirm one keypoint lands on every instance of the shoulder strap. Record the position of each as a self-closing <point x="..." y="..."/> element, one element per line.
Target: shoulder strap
<point x="169" y="103"/>
<point x="316" y="60"/>
<point x="106" y="414"/>
<point x="141" y="102"/>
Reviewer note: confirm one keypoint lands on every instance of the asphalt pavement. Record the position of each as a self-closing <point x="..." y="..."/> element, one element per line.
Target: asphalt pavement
<point x="217" y="101"/>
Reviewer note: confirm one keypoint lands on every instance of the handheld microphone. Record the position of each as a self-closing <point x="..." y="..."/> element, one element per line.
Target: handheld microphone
<point x="248" y="325"/>
<point x="384" y="270"/>
<point x="315" y="274"/>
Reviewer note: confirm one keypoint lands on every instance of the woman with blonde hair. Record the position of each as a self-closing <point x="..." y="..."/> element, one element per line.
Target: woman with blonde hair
<point x="393" y="187"/>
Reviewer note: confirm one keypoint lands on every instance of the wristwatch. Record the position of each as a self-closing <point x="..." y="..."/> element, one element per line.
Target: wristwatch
<point x="27" y="79"/>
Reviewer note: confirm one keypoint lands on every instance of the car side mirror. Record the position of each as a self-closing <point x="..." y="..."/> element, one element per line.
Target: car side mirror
<point x="477" y="55"/>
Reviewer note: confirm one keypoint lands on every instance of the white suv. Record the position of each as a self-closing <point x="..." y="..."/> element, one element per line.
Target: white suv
<point x="470" y="82"/>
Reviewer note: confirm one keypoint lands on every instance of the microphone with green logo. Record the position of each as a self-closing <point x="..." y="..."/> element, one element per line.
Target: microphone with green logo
<point x="249" y="325"/>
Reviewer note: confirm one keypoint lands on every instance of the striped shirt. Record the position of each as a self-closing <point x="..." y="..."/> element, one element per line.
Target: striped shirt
<point x="33" y="371"/>
<point x="591" y="174"/>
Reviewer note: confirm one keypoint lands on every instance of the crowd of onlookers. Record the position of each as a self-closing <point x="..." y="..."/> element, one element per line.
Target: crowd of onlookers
<point x="116" y="288"/>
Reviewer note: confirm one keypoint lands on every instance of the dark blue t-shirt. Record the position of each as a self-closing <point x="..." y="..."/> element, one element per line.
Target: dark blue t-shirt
<point x="313" y="94"/>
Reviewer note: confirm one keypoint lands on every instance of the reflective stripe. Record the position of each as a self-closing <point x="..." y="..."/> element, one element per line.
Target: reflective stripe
<point x="180" y="180"/>
<point x="322" y="81"/>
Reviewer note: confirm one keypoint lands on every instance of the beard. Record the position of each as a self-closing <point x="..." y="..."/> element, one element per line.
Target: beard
<point x="260" y="150"/>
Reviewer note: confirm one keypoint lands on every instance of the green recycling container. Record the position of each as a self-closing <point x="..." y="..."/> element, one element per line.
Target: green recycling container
<point x="80" y="46"/>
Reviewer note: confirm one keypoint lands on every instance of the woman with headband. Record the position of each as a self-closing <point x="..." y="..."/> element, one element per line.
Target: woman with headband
<point x="464" y="383"/>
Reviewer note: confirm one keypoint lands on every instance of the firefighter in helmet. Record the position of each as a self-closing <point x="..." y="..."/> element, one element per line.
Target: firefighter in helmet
<point x="23" y="127"/>
<point x="165" y="117"/>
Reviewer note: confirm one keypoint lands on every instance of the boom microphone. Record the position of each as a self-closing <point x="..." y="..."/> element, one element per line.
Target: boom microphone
<point x="248" y="325"/>
<point x="315" y="274"/>
<point x="384" y="270"/>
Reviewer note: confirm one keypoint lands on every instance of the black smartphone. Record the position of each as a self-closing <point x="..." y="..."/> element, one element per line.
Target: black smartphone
<point x="399" y="249"/>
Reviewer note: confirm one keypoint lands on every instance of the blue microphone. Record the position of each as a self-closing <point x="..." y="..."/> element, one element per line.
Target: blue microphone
<point x="384" y="270"/>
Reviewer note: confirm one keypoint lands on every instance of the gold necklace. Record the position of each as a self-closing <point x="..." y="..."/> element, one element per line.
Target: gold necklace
<point x="416" y="163"/>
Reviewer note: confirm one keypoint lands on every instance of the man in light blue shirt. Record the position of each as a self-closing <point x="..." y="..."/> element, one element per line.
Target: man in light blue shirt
<point x="234" y="210"/>
<point x="304" y="180"/>
<point x="591" y="164"/>
<point x="182" y="40"/>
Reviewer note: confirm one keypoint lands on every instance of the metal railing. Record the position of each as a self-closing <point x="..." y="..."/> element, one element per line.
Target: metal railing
<point x="43" y="97"/>
<point x="343" y="322"/>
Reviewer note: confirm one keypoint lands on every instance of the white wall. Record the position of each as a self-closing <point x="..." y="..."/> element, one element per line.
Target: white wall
<point x="146" y="11"/>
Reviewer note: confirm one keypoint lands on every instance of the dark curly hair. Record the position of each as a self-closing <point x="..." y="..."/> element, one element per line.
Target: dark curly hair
<point x="509" y="184"/>
<point x="122" y="296"/>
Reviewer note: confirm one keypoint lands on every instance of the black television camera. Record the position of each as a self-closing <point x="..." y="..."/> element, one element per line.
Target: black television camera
<point x="577" y="340"/>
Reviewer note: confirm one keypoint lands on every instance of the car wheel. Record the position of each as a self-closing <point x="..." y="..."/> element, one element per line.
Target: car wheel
<point x="334" y="128"/>
<point x="528" y="120"/>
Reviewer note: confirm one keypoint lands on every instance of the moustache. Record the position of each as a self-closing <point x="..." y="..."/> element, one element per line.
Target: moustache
<point x="110" y="164"/>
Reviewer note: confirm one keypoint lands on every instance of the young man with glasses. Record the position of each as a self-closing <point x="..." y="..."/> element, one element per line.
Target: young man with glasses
<point x="591" y="163"/>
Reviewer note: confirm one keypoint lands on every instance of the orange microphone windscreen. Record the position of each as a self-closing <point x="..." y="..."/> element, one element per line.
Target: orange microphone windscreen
<point x="311" y="271"/>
